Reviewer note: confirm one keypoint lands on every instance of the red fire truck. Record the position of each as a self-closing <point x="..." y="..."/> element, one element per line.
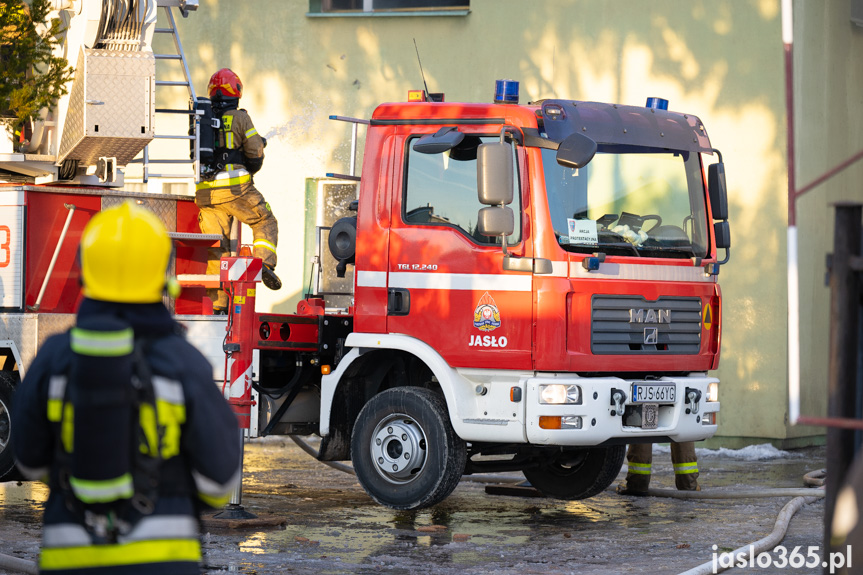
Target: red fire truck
<point x="534" y="286"/>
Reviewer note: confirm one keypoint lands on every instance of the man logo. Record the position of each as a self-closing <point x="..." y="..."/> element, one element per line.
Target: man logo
<point x="650" y="316"/>
<point x="651" y="335"/>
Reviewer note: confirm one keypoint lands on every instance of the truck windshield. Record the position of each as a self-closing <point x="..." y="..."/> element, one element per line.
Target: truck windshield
<point x="629" y="201"/>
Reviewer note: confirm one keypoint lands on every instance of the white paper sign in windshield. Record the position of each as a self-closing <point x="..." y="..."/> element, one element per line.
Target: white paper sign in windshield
<point x="582" y="232"/>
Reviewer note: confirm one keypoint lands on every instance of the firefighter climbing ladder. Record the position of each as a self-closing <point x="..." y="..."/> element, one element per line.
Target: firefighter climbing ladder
<point x="177" y="56"/>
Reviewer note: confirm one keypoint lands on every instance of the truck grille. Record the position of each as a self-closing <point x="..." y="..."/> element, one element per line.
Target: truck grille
<point x="622" y="324"/>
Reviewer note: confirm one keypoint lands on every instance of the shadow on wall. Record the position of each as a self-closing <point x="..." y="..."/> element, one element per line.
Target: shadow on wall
<point x="577" y="50"/>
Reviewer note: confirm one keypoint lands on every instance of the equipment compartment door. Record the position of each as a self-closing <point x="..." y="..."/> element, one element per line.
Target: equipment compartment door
<point x="12" y="250"/>
<point x="447" y="285"/>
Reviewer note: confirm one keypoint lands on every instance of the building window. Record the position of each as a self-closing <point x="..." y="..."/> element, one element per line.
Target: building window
<point x="372" y="6"/>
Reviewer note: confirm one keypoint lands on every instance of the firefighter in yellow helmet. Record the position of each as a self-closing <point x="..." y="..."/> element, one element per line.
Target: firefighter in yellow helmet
<point x="120" y="417"/>
<point x="227" y="190"/>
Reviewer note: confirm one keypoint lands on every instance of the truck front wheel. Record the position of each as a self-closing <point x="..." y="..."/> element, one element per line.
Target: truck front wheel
<point x="7" y="462"/>
<point x="404" y="450"/>
<point x="577" y="474"/>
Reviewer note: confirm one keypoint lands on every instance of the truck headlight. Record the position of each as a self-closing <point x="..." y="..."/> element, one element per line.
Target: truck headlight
<point x="559" y="393"/>
<point x="713" y="391"/>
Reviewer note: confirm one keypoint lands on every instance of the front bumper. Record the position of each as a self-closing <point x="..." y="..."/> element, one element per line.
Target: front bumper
<point x="602" y="421"/>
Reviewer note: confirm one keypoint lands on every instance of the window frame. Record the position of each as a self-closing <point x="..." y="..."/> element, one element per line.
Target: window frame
<point x="319" y="8"/>
<point x="518" y="213"/>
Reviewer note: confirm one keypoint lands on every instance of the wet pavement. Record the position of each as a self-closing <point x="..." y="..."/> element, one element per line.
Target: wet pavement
<point x="332" y="526"/>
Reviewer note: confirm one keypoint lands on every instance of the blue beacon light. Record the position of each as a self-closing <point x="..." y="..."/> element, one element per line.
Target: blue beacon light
<point x="657" y="103"/>
<point x="505" y="92"/>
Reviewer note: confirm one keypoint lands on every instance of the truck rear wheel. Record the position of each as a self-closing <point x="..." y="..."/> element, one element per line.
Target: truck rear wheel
<point x="7" y="462"/>
<point x="404" y="450"/>
<point x="577" y="474"/>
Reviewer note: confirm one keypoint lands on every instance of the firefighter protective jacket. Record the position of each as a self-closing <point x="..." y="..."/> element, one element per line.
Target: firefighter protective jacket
<point x="199" y="450"/>
<point x="240" y="144"/>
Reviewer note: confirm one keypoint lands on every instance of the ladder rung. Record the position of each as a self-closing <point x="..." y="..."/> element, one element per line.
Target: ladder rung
<point x="171" y="83"/>
<point x="175" y="137"/>
<point x="168" y="56"/>
<point x="198" y="280"/>
<point x="173" y="176"/>
<point x="164" y="30"/>
<point x="211" y="239"/>
<point x="194" y="236"/>
<point x="152" y="161"/>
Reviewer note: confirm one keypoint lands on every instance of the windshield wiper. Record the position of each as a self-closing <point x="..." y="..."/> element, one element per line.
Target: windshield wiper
<point x="685" y="250"/>
<point x="626" y="245"/>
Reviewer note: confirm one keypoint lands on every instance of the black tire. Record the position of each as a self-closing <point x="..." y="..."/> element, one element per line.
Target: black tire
<point x="8" y="380"/>
<point x="577" y="474"/>
<point x="404" y="450"/>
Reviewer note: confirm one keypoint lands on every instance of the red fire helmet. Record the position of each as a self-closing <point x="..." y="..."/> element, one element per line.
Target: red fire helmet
<point x="225" y="83"/>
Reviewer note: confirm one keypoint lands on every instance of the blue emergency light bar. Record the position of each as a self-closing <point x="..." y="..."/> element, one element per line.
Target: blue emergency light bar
<point x="657" y="103"/>
<point x="505" y="92"/>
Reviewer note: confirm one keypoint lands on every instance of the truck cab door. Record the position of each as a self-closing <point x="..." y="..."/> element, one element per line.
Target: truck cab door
<point x="447" y="285"/>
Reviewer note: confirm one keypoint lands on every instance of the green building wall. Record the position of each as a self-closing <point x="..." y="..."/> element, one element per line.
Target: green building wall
<point x="720" y="60"/>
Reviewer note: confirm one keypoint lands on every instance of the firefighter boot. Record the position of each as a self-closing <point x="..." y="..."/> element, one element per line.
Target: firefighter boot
<point x="270" y="279"/>
<point x="639" y="459"/>
<point x="685" y="466"/>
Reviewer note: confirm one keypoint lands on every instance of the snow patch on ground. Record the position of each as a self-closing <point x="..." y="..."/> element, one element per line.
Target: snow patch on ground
<point x="749" y="453"/>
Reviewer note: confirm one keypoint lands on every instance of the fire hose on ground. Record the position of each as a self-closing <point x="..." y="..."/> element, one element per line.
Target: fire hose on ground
<point x="780" y="527"/>
<point x="17" y="565"/>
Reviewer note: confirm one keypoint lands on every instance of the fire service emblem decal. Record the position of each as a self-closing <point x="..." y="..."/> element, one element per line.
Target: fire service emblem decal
<point x="486" y="316"/>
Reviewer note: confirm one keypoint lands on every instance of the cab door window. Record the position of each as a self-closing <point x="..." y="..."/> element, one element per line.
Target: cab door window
<point x="440" y="190"/>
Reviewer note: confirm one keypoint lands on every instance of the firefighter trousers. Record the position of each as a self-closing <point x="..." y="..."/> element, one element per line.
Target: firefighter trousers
<point x="639" y="457"/>
<point x="250" y="208"/>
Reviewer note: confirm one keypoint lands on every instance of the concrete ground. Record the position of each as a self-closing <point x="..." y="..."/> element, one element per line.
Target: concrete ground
<point x="329" y="524"/>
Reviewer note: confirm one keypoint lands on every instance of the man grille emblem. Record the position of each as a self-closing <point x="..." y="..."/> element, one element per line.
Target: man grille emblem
<point x="651" y="335"/>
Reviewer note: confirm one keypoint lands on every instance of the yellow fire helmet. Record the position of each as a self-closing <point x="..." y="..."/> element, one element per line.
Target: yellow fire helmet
<point x="124" y="255"/>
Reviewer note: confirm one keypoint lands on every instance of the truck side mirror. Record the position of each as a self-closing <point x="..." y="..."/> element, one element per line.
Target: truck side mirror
<point x="496" y="221"/>
<point x="494" y="169"/>
<point x="494" y="183"/>
<point x="444" y="139"/>
<point x="576" y="151"/>
<point x="722" y="233"/>
<point x="718" y="192"/>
